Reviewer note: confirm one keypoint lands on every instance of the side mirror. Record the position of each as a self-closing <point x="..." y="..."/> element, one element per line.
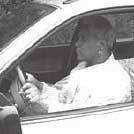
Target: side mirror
<point x="9" y="118"/>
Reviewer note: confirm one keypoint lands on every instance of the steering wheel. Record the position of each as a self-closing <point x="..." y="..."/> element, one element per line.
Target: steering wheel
<point x="21" y="74"/>
<point x="16" y="87"/>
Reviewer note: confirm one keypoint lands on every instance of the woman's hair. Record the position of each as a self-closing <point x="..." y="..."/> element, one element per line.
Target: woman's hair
<point x="97" y="27"/>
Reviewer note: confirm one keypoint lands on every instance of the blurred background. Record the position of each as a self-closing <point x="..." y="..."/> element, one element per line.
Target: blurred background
<point x="123" y="23"/>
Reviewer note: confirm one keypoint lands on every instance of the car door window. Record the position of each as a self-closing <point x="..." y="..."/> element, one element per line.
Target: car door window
<point x="64" y="37"/>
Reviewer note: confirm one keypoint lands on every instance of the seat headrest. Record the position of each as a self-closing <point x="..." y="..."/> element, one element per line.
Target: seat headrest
<point x="123" y="48"/>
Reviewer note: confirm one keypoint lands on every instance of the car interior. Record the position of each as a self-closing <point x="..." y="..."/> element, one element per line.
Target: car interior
<point x="55" y="56"/>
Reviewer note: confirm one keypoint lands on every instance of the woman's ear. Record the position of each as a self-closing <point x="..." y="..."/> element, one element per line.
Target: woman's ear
<point x="101" y="49"/>
<point x="101" y="46"/>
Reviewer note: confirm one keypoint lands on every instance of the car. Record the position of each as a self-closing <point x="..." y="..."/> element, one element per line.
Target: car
<point x="40" y="42"/>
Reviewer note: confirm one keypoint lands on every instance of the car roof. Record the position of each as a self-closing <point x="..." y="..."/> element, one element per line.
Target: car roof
<point x="26" y="41"/>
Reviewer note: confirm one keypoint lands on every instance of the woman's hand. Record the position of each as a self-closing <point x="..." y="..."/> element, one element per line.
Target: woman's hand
<point x="31" y="92"/>
<point x="32" y="79"/>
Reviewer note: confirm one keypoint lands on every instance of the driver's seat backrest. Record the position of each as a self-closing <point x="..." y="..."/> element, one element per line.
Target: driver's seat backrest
<point x="128" y="65"/>
<point x="123" y="51"/>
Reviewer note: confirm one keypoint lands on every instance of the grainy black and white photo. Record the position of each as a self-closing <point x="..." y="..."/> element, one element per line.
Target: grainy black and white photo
<point x="66" y="66"/>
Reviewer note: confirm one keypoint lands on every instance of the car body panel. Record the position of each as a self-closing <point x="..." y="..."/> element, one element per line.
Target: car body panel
<point x="106" y="121"/>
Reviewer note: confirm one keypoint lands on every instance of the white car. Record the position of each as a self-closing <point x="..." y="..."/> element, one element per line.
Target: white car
<point x="40" y="42"/>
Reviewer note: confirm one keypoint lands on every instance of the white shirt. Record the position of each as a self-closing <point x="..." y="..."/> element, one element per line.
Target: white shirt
<point x="101" y="84"/>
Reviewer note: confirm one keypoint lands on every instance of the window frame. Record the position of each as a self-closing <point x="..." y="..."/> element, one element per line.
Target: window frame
<point x="84" y="111"/>
<point x="89" y="110"/>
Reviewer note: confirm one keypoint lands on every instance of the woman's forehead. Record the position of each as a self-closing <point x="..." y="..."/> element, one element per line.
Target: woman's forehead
<point x="88" y="36"/>
<point x="91" y="32"/>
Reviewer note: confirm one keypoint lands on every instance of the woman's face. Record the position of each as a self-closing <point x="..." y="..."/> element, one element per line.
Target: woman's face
<point x="86" y="48"/>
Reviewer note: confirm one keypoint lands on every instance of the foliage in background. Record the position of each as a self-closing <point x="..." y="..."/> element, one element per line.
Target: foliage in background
<point x="6" y="6"/>
<point x="123" y="23"/>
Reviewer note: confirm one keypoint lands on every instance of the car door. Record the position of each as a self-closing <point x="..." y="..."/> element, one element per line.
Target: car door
<point x="101" y="119"/>
<point x="91" y="119"/>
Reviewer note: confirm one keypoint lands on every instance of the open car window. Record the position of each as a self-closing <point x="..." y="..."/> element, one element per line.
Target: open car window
<point x="55" y="57"/>
<point x="59" y="47"/>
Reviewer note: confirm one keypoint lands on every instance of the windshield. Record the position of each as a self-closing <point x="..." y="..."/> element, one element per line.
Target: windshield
<point x="20" y="19"/>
